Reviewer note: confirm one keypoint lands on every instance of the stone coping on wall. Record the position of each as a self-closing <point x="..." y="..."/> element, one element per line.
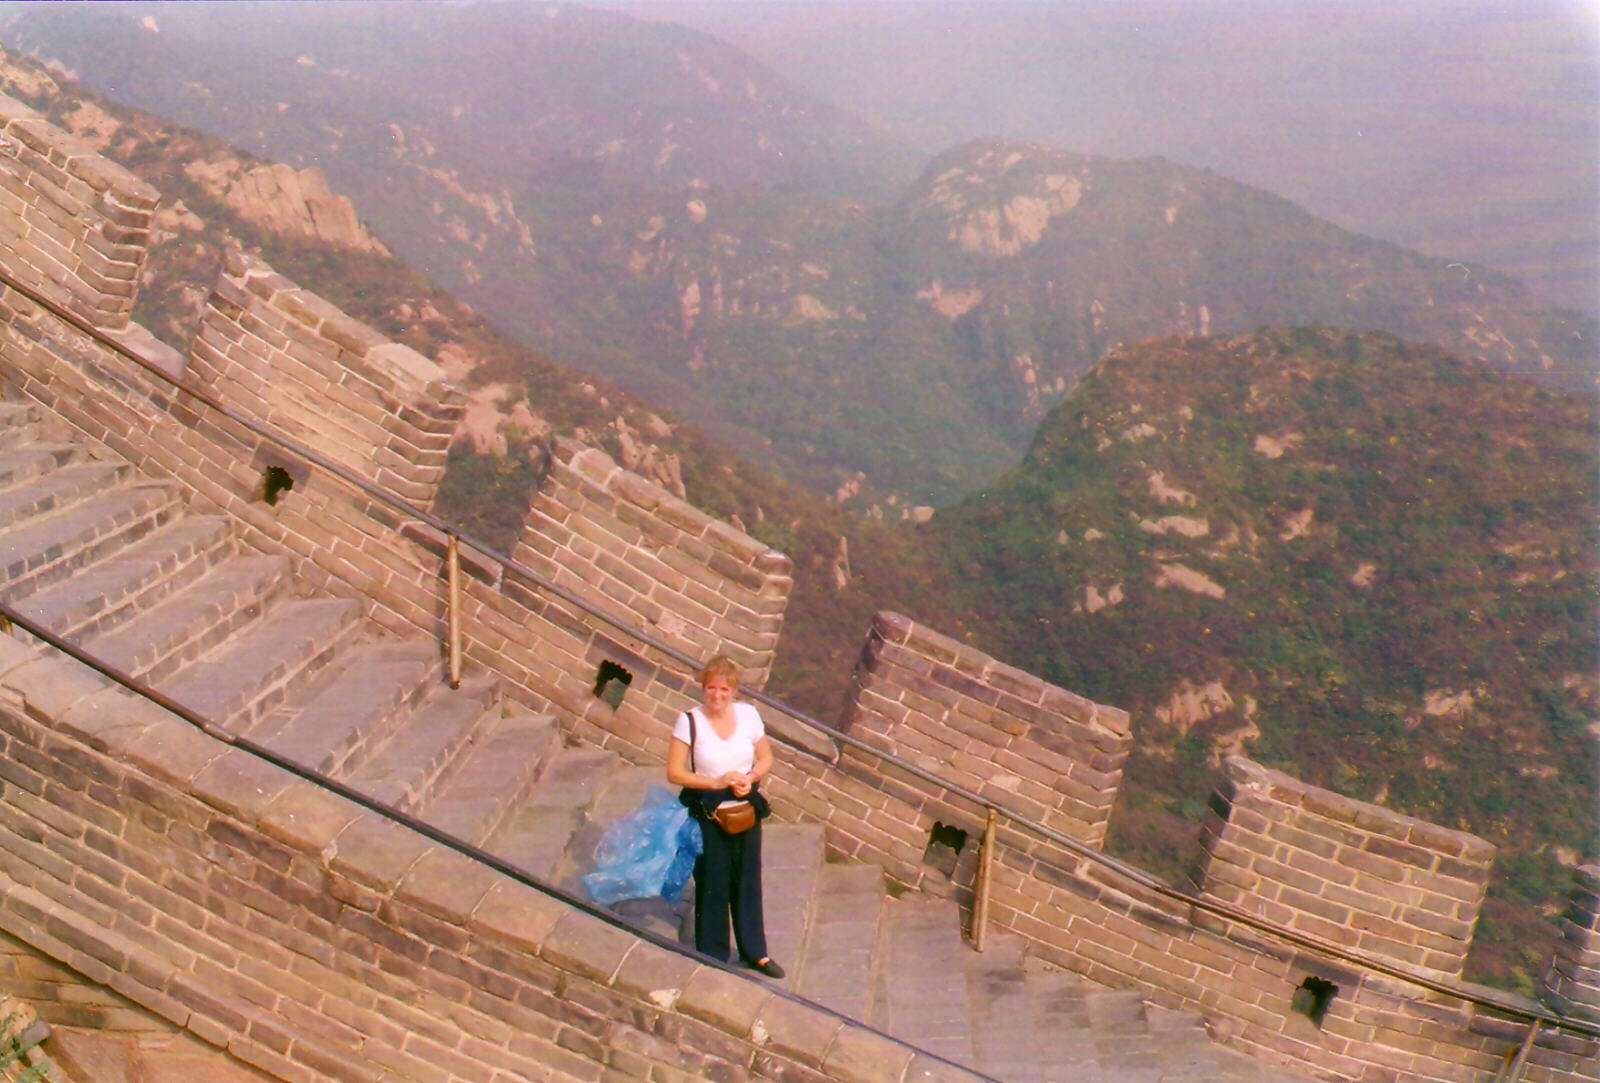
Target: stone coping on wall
<point x="1352" y="873"/>
<point x="1024" y="694"/>
<point x="675" y="519"/>
<point x="82" y="221"/>
<point x="391" y="366"/>
<point x="1419" y="842"/>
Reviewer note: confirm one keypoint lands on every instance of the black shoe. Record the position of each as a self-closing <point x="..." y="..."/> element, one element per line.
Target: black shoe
<point x="768" y="967"/>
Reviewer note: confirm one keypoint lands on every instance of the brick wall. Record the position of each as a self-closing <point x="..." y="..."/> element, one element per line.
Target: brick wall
<point x="1351" y="873"/>
<point x="1573" y="981"/>
<point x="317" y="941"/>
<point x="284" y="356"/>
<point x="626" y="545"/>
<point x="1031" y="747"/>
<point x="64" y="998"/>
<point x="74" y="226"/>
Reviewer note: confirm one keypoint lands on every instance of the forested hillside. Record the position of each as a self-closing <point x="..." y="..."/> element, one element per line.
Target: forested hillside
<point x="1370" y="563"/>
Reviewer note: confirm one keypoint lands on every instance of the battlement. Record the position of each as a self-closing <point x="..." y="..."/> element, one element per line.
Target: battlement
<point x="76" y="227"/>
<point x="284" y="356"/>
<point x="621" y="542"/>
<point x="1345" y="871"/>
<point x="425" y="925"/>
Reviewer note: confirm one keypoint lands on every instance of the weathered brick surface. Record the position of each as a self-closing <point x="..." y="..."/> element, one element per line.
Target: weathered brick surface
<point x="1573" y="980"/>
<point x="1348" y="872"/>
<point x="1032" y="748"/>
<point x="630" y="547"/>
<point x="75" y="226"/>
<point x="286" y="357"/>
<point x="246" y="939"/>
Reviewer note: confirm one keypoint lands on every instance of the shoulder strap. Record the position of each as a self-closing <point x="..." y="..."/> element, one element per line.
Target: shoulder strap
<point x="690" y="716"/>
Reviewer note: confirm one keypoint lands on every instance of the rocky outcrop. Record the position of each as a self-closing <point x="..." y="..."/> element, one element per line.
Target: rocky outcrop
<point x="284" y="200"/>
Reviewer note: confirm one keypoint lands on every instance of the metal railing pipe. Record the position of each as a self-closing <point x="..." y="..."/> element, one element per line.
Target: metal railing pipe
<point x="413" y="823"/>
<point x="453" y="606"/>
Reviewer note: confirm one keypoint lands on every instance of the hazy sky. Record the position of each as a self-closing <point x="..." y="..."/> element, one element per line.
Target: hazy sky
<point x="1465" y="129"/>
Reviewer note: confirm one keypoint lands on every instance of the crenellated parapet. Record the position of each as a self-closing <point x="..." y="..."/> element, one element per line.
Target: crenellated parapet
<point x="1572" y="984"/>
<point x="1348" y="872"/>
<point x="625" y="544"/>
<point x="1031" y="747"/>
<point x="75" y="227"/>
<point x="283" y="355"/>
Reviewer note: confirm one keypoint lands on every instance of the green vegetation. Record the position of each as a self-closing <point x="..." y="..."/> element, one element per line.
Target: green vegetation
<point x="1400" y="592"/>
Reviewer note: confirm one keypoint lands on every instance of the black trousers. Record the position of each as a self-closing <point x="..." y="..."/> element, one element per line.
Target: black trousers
<point x="727" y="880"/>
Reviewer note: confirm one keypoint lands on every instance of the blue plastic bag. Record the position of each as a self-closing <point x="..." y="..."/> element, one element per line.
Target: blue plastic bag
<point x="650" y="851"/>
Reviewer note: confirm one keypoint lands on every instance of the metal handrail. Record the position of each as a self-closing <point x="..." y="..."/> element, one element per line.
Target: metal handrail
<point x="1474" y="995"/>
<point x="405" y="819"/>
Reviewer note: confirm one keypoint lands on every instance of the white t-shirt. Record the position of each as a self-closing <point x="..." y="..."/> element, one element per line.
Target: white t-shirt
<point x="715" y="757"/>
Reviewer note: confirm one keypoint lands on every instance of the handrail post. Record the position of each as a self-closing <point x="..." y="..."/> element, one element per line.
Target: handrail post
<point x="453" y="574"/>
<point x="980" y="905"/>
<point x="1521" y="1058"/>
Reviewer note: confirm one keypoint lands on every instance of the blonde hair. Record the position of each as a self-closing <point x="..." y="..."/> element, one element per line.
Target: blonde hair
<point x="720" y="666"/>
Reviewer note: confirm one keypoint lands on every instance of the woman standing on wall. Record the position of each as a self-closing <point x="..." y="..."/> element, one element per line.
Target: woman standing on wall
<point x="719" y="755"/>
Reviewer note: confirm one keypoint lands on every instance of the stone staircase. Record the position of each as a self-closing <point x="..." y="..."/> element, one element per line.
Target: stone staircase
<point x="117" y="564"/>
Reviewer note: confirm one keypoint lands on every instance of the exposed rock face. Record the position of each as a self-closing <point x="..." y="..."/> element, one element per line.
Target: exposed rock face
<point x="1179" y="575"/>
<point x="994" y="212"/>
<point x="285" y="200"/>
<point x="1191" y="703"/>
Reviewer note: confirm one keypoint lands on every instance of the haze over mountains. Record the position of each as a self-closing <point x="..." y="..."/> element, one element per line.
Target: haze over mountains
<point x="1463" y="128"/>
<point x="650" y="203"/>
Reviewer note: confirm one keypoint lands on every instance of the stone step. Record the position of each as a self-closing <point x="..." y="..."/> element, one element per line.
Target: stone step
<point x="495" y="776"/>
<point x="155" y="644"/>
<point x="256" y="670"/>
<point x="354" y="704"/>
<point x="118" y="587"/>
<point x="535" y="837"/>
<point x="25" y="462"/>
<point x="835" y="966"/>
<point x="615" y="794"/>
<point x="17" y="424"/>
<point x="1005" y="1027"/>
<point x="1063" y="1028"/>
<point x="424" y="749"/>
<point x="791" y="869"/>
<point x="620" y="793"/>
<point x="42" y="551"/>
<point x="919" y="989"/>
<point x="58" y="489"/>
<point x="1121" y="1032"/>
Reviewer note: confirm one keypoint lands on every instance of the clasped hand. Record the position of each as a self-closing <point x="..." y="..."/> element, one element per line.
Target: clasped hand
<point x="739" y="782"/>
